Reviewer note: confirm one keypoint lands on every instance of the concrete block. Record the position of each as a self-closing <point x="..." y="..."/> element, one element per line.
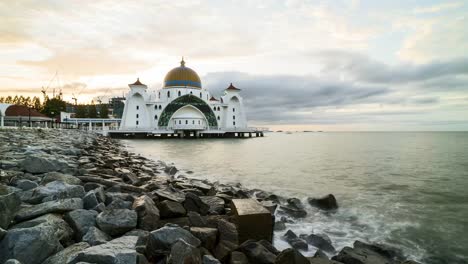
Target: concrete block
<point x="253" y="221"/>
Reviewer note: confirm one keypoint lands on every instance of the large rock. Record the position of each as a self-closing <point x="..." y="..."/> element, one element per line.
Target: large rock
<point x="207" y="236"/>
<point x="26" y="185"/>
<point x="322" y="242"/>
<point x="208" y="259"/>
<point x="170" y="209"/>
<point x="41" y="164"/>
<point x="194" y="203"/>
<point x="386" y="251"/>
<point x="216" y="204"/>
<point x="168" y="194"/>
<point x="94" y="236"/>
<point x="57" y="176"/>
<point x="294" y="208"/>
<point x="67" y="254"/>
<point x="253" y="221"/>
<point x="9" y="205"/>
<point x="118" y="251"/>
<point x="257" y="253"/>
<point x="228" y="239"/>
<point x="327" y="202"/>
<point x="160" y="241"/>
<point x="90" y="200"/>
<point x="184" y="253"/>
<point x="29" y="245"/>
<point x="360" y="256"/>
<point x="238" y="257"/>
<point x="81" y="221"/>
<point x="291" y="256"/>
<point x="53" y="191"/>
<point x="58" y="206"/>
<point x="117" y="221"/>
<point x="294" y="241"/>
<point x="62" y="231"/>
<point x="148" y="213"/>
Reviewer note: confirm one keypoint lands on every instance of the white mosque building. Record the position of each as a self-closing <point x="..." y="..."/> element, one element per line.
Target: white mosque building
<point x="183" y="108"/>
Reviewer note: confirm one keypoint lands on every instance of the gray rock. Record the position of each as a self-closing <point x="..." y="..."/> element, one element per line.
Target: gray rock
<point x="171" y="170"/>
<point x="291" y="256"/>
<point x="148" y="213"/>
<point x="117" y="221"/>
<point x="118" y="203"/>
<point x="228" y="239"/>
<point x="207" y="236"/>
<point x="90" y="201"/>
<point x="29" y="245"/>
<point x="118" y="251"/>
<point x="59" y="206"/>
<point x="26" y="185"/>
<point x="171" y="209"/>
<point x="100" y="208"/>
<point x="52" y="191"/>
<point x="40" y="164"/>
<point x="320" y="241"/>
<point x="294" y="208"/>
<point x="386" y="251"/>
<point x="183" y="252"/>
<point x="2" y="233"/>
<point x="161" y="240"/>
<point x="94" y="236"/>
<point x="216" y="204"/>
<point x="256" y="252"/>
<point x="62" y="230"/>
<point x="81" y="221"/>
<point x="167" y="194"/>
<point x="238" y="257"/>
<point x="208" y="259"/>
<point x="327" y="202"/>
<point x="9" y="205"/>
<point x="12" y="261"/>
<point x="194" y="203"/>
<point x="57" y="176"/>
<point x="280" y="226"/>
<point x="67" y="254"/>
<point x="111" y="196"/>
<point x="360" y="256"/>
<point x="195" y="219"/>
<point x="294" y="241"/>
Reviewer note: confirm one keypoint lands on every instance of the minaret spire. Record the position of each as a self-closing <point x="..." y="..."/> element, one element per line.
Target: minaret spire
<point x="182" y="62"/>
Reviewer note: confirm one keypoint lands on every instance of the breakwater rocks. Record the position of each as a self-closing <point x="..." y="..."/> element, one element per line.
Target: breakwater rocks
<point x="69" y="196"/>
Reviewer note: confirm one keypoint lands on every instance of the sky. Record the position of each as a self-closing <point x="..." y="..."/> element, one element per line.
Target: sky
<point x="344" y="65"/>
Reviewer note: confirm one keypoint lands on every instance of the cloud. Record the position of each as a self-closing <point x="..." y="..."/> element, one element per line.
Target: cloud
<point x="437" y="8"/>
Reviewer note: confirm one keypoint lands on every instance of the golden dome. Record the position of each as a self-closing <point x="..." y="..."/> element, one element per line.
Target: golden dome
<point x="182" y="76"/>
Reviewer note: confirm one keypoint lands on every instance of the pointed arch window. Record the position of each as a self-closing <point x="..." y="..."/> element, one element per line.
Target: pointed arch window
<point x="160" y="107"/>
<point x="168" y="94"/>
<point x="179" y="93"/>
<point x="201" y="95"/>
<point x="155" y="117"/>
<point x="219" y="118"/>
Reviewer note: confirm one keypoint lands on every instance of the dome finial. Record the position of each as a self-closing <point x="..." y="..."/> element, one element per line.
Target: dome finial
<point x="182" y="62"/>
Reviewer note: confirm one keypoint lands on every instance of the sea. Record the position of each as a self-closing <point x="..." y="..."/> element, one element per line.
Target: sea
<point x="403" y="189"/>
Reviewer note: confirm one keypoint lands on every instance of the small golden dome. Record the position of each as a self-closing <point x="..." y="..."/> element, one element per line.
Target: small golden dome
<point x="182" y="76"/>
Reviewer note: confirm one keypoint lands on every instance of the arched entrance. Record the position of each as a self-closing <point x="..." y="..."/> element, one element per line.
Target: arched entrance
<point x="188" y="118"/>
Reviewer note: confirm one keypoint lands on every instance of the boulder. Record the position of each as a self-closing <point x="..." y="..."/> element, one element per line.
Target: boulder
<point x="238" y="257"/>
<point x="57" y="176"/>
<point x="94" y="236"/>
<point x="58" y="206"/>
<point x="253" y="221"/>
<point x="194" y="203"/>
<point x="216" y="204"/>
<point x="294" y="208"/>
<point x="291" y="256"/>
<point x="184" y="253"/>
<point x="360" y="256"/>
<point x="67" y="254"/>
<point x="118" y="203"/>
<point x="12" y="261"/>
<point x="148" y="213"/>
<point x="208" y="259"/>
<point x="228" y="239"/>
<point x="195" y="219"/>
<point x="26" y="185"/>
<point x="90" y="200"/>
<point x="62" y="231"/>
<point x="118" y="196"/>
<point x="256" y="252"/>
<point x="171" y="209"/>
<point x="295" y="241"/>
<point x="40" y="164"/>
<point x="168" y="194"/>
<point x="279" y="226"/>
<point x="118" y="251"/>
<point x="116" y="222"/>
<point x="171" y="170"/>
<point x="52" y="191"/>
<point x="81" y="221"/>
<point x="206" y="235"/>
<point x="160" y="241"/>
<point x="9" y="205"/>
<point x="386" y="251"/>
<point x="327" y="202"/>
<point x="269" y="246"/>
<point x="29" y="245"/>
<point x="2" y="233"/>
<point x="322" y="242"/>
<point x="180" y="221"/>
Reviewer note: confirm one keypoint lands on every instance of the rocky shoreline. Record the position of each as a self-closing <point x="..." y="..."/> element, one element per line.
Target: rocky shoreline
<point x="69" y="196"/>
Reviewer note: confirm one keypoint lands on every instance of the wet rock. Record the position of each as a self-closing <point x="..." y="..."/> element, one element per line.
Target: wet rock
<point x="171" y="170"/>
<point x="2" y="233"/>
<point x="194" y="203"/>
<point x="253" y="221"/>
<point x="58" y="206"/>
<point x="118" y="251"/>
<point x="256" y="252"/>
<point x="160" y="241"/>
<point x="91" y="186"/>
<point x="228" y="239"/>
<point x="89" y="200"/>
<point x="29" y="245"/>
<point x="180" y="221"/>
<point x="280" y="226"/>
<point x="148" y="213"/>
<point x="327" y="202"/>
<point x="215" y="204"/>
<point x="81" y="221"/>
<point x="320" y="254"/>
<point x="95" y="236"/>
<point x="386" y="251"/>
<point x="52" y="191"/>
<point x="118" y="196"/>
<point x="291" y="256"/>
<point x="170" y="209"/>
<point x="269" y="246"/>
<point x="321" y="241"/>
<point x="57" y="176"/>
<point x="195" y="219"/>
<point x="62" y="231"/>
<point x="238" y="257"/>
<point x="206" y="235"/>
<point x="167" y="194"/>
<point x="12" y="261"/>
<point x="116" y="222"/>
<point x="184" y="253"/>
<point x="26" y="185"/>
<point x="360" y="256"/>
<point x="41" y="164"/>
<point x="270" y="206"/>
<point x="294" y="208"/>
<point x="9" y="205"/>
<point x="67" y="254"/>
<point x="100" y="208"/>
<point x="208" y="259"/>
<point x="118" y="203"/>
<point x="295" y="241"/>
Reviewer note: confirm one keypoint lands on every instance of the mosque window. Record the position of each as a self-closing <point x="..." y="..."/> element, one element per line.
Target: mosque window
<point x="186" y="122"/>
<point x="180" y="122"/>
<point x="219" y="109"/>
<point x="214" y="108"/>
<point x="159" y="95"/>
<point x="233" y="109"/>
<point x="156" y="107"/>
<point x="234" y="117"/>
<point x="137" y="107"/>
<point x="168" y="94"/>
<point x="137" y="115"/>
<point x="198" y="121"/>
<point x="193" y="122"/>
<point x="156" y="117"/>
<point x="137" y="122"/>
<point x="219" y="118"/>
<point x="201" y="95"/>
<point x="179" y="93"/>
<point x="191" y="92"/>
<point x="159" y="107"/>
<point x="234" y="123"/>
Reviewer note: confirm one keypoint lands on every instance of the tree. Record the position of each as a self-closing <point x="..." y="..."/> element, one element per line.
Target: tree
<point x="36" y="103"/>
<point x="103" y="111"/>
<point x="81" y="111"/>
<point x="92" y="112"/>
<point x="53" y="107"/>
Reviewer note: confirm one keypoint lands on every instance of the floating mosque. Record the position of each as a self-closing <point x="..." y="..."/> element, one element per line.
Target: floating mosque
<point x="183" y="108"/>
